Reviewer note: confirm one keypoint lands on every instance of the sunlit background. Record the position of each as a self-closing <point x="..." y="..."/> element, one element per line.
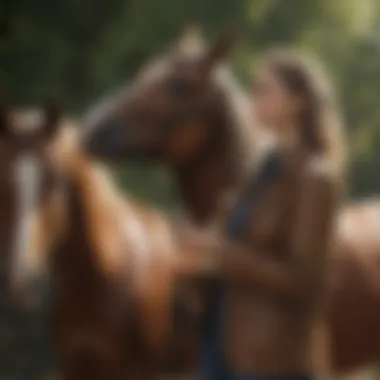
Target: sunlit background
<point x="79" y="50"/>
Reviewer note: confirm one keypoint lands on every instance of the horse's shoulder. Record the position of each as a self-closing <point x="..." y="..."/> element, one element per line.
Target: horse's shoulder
<point x="364" y="214"/>
<point x="153" y="226"/>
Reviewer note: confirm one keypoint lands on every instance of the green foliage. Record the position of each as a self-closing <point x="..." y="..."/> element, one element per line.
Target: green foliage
<point x="79" y="50"/>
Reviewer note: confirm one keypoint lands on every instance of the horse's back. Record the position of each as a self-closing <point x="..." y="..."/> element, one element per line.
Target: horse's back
<point x="357" y="245"/>
<point x="359" y="224"/>
<point x="355" y="283"/>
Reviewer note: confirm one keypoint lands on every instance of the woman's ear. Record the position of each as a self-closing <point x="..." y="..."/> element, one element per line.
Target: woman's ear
<point x="53" y="116"/>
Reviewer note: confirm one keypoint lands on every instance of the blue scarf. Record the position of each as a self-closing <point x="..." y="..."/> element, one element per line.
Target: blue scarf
<point x="213" y="365"/>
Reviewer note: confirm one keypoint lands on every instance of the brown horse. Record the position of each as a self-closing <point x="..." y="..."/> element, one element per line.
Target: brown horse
<point x="185" y="109"/>
<point x="21" y="328"/>
<point x="110" y="260"/>
<point x="18" y="136"/>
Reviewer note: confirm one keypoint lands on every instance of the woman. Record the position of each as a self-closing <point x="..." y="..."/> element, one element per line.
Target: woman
<point x="274" y="275"/>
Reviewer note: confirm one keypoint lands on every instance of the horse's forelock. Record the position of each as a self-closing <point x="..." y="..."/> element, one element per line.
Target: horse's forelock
<point x="26" y="120"/>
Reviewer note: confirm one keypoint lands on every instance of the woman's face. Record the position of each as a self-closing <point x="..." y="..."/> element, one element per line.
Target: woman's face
<point x="274" y="105"/>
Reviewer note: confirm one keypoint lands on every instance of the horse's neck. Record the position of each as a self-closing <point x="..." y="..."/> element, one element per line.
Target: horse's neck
<point x="85" y="250"/>
<point x="204" y="188"/>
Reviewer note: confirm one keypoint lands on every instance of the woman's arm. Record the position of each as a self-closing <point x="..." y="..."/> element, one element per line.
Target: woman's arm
<point x="308" y="247"/>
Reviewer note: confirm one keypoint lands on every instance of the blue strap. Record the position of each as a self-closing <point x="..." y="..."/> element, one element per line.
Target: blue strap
<point x="213" y="365"/>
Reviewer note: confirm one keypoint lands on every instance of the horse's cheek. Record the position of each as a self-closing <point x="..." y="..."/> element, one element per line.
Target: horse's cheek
<point x="185" y="141"/>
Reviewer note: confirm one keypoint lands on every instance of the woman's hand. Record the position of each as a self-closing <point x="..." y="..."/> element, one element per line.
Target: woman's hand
<point x="199" y="251"/>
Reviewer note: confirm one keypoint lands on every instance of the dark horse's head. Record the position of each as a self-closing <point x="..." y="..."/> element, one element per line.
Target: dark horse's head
<point x="24" y="183"/>
<point x="164" y="112"/>
<point x="186" y="110"/>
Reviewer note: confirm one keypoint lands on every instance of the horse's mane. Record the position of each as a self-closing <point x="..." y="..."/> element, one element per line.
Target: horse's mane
<point x="250" y="141"/>
<point x="103" y="203"/>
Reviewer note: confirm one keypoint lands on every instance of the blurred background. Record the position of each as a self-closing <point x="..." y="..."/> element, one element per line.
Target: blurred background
<point x="79" y="50"/>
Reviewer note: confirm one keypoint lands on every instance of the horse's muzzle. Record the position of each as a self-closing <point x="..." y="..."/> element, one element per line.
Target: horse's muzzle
<point x="106" y="140"/>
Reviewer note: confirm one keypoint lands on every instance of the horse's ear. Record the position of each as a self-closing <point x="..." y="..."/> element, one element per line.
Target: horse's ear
<point x="53" y="116"/>
<point x="4" y="117"/>
<point x="220" y="49"/>
<point x="190" y="40"/>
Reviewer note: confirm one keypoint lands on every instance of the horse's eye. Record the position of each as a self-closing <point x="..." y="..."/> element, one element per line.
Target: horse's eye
<point x="179" y="89"/>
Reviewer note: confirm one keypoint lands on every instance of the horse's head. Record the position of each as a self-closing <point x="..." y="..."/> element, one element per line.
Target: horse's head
<point x="186" y="110"/>
<point x="169" y="112"/>
<point x="25" y="184"/>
